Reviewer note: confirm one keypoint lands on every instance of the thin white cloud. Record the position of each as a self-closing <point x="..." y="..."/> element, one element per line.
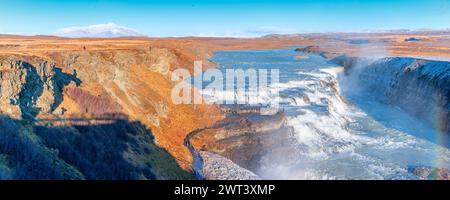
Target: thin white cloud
<point x="224" y="35"/>
<point x="107" y="30"/>
<point x="249" y="33"/>
<point x="267" y="30"/>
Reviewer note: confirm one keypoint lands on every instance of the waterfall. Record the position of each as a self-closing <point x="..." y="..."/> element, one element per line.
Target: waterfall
<point x="419" y="87"/>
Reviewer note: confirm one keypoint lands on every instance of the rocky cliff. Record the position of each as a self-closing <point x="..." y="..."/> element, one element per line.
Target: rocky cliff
<point x="30" y="87"/>
<point x="420" y="87"/>
<point x="97" y="85"/>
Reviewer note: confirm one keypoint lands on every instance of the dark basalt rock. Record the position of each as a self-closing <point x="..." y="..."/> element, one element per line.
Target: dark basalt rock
<point x="318" y="51"/>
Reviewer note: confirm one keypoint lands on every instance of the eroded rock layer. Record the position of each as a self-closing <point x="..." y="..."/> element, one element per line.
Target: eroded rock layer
<point x="244" y="139"/>
<point x="94" y="88"/>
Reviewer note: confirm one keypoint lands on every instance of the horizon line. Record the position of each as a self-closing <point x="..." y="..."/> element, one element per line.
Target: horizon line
<point x="375" y="31"/>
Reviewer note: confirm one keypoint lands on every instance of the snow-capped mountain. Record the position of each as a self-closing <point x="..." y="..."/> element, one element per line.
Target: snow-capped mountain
<point x="107" y="30"/>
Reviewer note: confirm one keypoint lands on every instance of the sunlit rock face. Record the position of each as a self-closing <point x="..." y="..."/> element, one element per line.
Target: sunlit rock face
<point x="420" y="87"/>
<point x="28" y="88"/>
<point x="98" y="84"/>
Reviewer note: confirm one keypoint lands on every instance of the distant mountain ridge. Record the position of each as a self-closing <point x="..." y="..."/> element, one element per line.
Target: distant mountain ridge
<point x="108" y="30"/>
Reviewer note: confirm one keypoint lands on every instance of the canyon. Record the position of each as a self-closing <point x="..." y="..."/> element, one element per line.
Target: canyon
<point x="424" y="83"/>
<point x="90" y="104"/>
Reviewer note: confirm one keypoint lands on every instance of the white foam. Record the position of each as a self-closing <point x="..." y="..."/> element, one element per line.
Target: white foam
<point x="338" y="140"/>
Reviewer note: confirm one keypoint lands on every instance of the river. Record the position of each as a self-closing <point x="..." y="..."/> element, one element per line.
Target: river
<point x="340" y="132"/>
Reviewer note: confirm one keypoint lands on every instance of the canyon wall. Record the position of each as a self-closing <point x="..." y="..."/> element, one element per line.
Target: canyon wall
<point x="419" y="87"/>
<point x="88" y="90"/>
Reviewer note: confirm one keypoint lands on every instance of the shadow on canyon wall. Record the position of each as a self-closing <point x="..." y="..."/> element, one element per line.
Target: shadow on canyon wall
<point x="120" y="149"/>
<point x="418" y="87"/>
<point x="33" y="87"/>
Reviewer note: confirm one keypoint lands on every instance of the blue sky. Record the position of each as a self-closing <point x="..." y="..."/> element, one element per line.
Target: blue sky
<point x="224" y="18"/>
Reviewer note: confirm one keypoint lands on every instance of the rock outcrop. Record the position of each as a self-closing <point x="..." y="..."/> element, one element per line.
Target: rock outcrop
<point x="317" y="50"/>
<point x="55" y="87"/>
<point x="428" y="173"/>
<point x="29" y="88"/>
<point x="216" y="167"/>
<point x="240" y="142"/>
<point x="337" y="58"/>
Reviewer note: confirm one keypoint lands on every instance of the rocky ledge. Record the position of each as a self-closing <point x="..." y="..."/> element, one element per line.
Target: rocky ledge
<point x="216" y="167"/>
<point x="426" y="173"/>
<point x="234" y="147"/>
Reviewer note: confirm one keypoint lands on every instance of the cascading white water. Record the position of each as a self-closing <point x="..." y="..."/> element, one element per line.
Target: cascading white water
<point x="419" y="87"/>
<point x="350" y="137"/>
